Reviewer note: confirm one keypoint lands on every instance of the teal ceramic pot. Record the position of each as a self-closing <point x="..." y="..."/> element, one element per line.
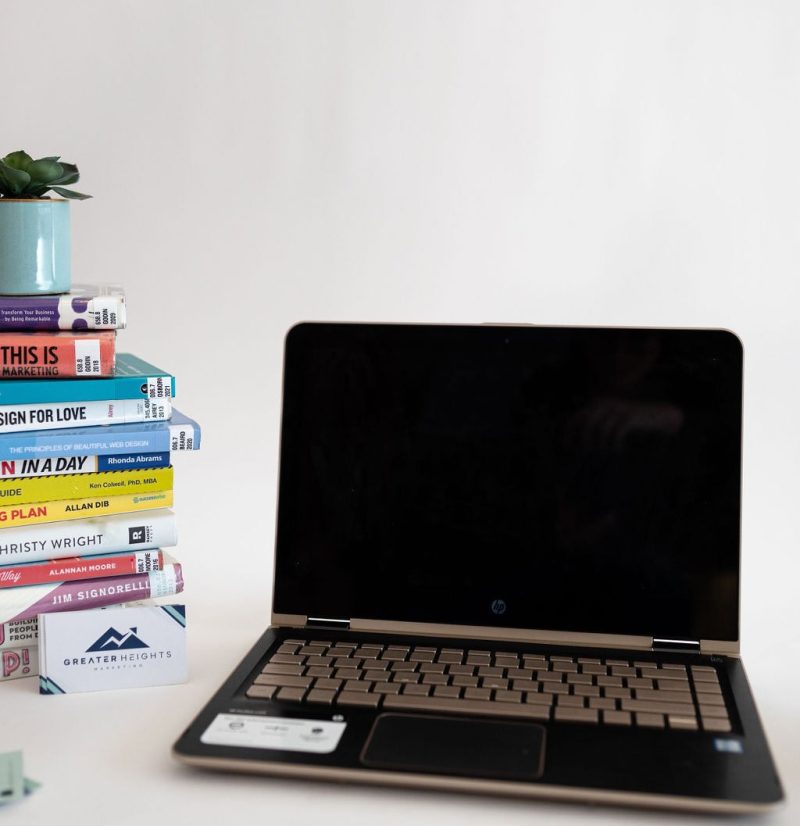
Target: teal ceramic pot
<point x="35" y="248"/>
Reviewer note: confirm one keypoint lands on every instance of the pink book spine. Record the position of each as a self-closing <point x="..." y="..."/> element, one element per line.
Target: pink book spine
<point x="32" y="600"/>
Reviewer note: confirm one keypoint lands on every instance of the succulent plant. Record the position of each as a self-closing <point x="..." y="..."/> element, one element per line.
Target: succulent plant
<point x="23" y="177"/>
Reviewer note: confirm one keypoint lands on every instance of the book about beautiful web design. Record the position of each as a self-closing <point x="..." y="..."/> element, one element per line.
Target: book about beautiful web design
<point x="178" y="434"/>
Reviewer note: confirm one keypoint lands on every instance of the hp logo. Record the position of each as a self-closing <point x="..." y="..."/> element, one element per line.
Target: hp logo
<point x="499" y="607"/>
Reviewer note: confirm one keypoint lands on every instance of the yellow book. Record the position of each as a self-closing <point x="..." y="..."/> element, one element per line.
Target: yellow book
<point x="83" y="485"/>
<point x="38" y="512"/>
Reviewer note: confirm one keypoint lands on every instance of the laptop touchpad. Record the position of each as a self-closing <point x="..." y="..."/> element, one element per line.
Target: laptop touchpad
<point x="456" y="745"/>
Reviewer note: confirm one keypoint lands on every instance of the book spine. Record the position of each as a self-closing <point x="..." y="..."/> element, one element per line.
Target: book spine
<point x="184" y="436"/>
<point x="19" y="662"/>
<point x="17" y="634"/>
<point x="50" y="416"/>
<point x="62" y="465"/>
<point x="83" y="485"/>
<point x="24" y="603"/>
<point x="50" y="355"/>
<point x="64" y="509"/>
<point x="66" y="312"/>
<point x="112" y="534"/>
<point x="87" y="567"/>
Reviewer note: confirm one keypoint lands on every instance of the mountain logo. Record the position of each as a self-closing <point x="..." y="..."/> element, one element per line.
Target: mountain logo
<point x="112" y="640"/>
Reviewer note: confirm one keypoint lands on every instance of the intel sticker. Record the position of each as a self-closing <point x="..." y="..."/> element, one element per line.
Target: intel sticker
<point x="281" y="733"/>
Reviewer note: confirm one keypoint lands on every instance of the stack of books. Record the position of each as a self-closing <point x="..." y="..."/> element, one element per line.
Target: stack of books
<point x="86" y="436"/>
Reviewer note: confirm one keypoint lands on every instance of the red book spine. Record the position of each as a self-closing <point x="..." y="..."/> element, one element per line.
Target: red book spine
<point x="81" y="567"/>
<point x="57" y="355"/>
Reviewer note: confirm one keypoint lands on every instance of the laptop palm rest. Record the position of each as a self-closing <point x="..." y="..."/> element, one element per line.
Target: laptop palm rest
<point x="456" y="745"/>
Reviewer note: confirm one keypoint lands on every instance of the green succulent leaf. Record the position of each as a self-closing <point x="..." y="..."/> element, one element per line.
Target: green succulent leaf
<point x="45" y="171"/>
<point x="17" y="179"/>
<point x="70" y="193"/>
<point x="69" y="176"/>
<point x="18" y="160"/>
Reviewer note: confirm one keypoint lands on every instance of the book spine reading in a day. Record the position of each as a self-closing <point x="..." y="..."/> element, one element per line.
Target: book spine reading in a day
<point x="141" y="531"/>
<point x="81" y="567"/>
<point x="85" y="307"/>
<point x="57" y="355"/>
<point x="179" y="433"/>
<point x="83" y="485"/>
<point x="62" y="465"/>
<point x="34" y="513"/>
<point x="26" y="603"/>
<point x="51" y="416"/>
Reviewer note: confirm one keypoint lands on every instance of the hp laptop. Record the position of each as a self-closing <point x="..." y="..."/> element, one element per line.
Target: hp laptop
<point x="507" y="561"/>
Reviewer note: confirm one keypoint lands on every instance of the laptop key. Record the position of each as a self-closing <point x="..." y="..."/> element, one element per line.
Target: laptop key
<point x="321" y="696"/>
<point x="650" y="720"/>
<point x="481" y="708"/>
<point x="416" y="689"/>
<point x="278" y="668"/>
<point x="688" y="723"/>
<point x="477" y="694"/>
<point x="576" y="715"/>
<point x="715" y="724"/>
<point x="282" y="680"/>
<point x="261" y="692"/>
<point x="355" y="698"/>
<point x="653" y="707"/>
<point x="617" y="718"/>
<point x="294" y="695"/>
<point x="447" y="691"/>
<point x="330" y="685"/>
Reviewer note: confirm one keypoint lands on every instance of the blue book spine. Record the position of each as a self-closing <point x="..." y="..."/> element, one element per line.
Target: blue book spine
<point x="134" y="379"/>
<point x="132" y="461"/>
<point x="178" y="434"/>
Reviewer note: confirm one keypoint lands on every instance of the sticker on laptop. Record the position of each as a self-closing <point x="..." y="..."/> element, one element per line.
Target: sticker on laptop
<point x="281" y="733"/>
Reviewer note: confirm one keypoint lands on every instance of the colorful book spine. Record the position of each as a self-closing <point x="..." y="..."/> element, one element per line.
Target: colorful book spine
<point x="17" y="634"/>
<point x="133" y="379"/>
<point x="81" y="567"/>
<point x="64" y="509"/>
<point x="49" y="355"/>
<point x="25" y="603"/>
<point x="83" y="485"/>
<point x="85" y="307"/>
<point x="179" y="433"/>
<point x="21" y="417"/>
<point x="19" y="662"/>
<point x="61" y="465"/>
<point x="112" y="534"/>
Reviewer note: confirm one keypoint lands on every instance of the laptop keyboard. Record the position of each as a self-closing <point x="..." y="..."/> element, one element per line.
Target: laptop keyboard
<point x="494" y="683"/>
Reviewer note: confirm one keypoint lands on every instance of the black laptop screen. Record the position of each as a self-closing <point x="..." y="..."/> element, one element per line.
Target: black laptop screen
<point x="565" y="479"/>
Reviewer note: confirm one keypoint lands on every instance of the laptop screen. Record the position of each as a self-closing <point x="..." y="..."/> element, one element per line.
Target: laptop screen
<point x="569" y="479"/>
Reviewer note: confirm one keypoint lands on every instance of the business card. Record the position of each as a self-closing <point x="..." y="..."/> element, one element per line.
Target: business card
<point x="99" y="650"/>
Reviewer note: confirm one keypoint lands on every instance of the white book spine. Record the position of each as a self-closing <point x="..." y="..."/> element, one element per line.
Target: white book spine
<point x="181" y="437"/>
<point x="138" y="531"/>
<point x="15" y="418"/>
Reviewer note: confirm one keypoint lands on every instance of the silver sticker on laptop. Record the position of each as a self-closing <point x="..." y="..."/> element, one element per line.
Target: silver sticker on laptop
<point x="281" y="733"/>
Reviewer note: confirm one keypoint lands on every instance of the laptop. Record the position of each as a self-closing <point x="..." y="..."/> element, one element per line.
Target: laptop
<point x="507" y="561"/>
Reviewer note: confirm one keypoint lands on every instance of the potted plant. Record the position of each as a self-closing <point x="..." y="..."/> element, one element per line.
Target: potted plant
<point x="35" y="250"/>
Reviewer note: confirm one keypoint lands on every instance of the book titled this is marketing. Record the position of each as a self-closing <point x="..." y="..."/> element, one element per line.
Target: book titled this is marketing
<point x="179" y="433"/>
<point x="15" y="418"/>
<point x="133" y="378"/>
<point x="85" y="307"/>
<point x="48" y="355"/>
<point x="83" y="485"/>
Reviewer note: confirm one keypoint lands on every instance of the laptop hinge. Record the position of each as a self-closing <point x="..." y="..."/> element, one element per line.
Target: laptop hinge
<point x="323" y="622"/>
<point x="684" y="646"/>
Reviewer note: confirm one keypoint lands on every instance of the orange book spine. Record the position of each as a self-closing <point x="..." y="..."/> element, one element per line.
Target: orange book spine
<point x="57" y="355"/>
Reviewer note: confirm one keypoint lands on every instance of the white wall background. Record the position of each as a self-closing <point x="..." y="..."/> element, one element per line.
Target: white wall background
<point x="257" y="163"/>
